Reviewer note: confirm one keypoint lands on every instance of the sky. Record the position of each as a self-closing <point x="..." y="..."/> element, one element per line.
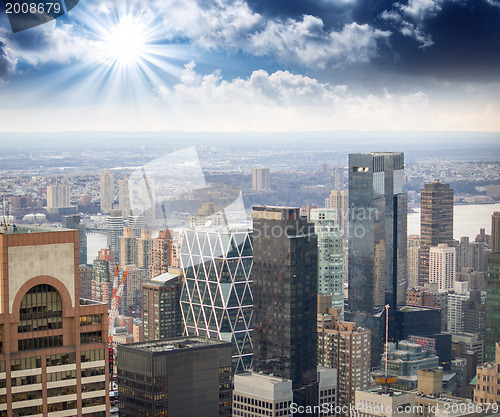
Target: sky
<point x="255" y="66"/>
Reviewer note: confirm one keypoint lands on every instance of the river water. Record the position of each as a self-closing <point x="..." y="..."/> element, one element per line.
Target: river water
<point x="467" y="220"/>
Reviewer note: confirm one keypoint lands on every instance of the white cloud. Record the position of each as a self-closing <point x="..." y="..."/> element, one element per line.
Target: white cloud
<point x="307" y="43"/>
<point x="410" y="30"/>
<point x="214" y="24"/>
<point x="53" y="43"/>
<point x="420" y="9"/>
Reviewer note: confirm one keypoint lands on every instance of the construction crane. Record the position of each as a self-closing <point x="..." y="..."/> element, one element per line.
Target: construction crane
<point x="116" y="296"/>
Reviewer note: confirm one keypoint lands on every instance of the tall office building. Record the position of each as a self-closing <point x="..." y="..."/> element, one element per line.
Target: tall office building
<point x="493" y="300"/>
<point x="344" y="346"/>
<point x="285" y="287"/>
<point x="183" y="376"/>
<point x="338" y="177"/>
<point x="85" y="282"/>
<point x="128" y="247"/>
<point x="442" y="266"/>
<point x="107" y="186"/>
<point x="102" y="277"/>
<point x="57" y="196"/>
<point x="161" y="312"/>
<point x="495" y="232"/>
<point x="217" y="299"/>
<point x="436" y="221"/>
<point x="377" y="238"/>
<point x="338" y="200"/>
<point x="114" y="226"/>
<point x="163" y="253"/>
<point x="137" y="223"/>
<point x="144" y="249"/>
<point x="124" y="197"/>
<point x="413" y="260"/>
<point x="53" y="345"/>
<point x="73" y="222"/>
<point x="260" y="178"/>
<point x="330" y="256"/>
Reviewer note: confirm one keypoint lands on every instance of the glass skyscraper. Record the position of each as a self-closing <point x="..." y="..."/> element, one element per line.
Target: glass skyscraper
<point x="285" y="288"/>
<point x="216" y="299"/>
<point x="377" y="231"/>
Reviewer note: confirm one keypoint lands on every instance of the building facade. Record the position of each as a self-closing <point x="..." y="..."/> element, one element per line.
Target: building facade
<point x="330" y="256"/>
<point x="184" y="376"/>
<point x="74" y="222"/>
<point x="346" y="348"/>
<point x="107" y="186"/>
<point x="377" y="231"/>
<point x="436" y="221"/>
<point x="217" y="298"/>
<point x="260" y="179"/>
<point x="487" y="381"/>
<point x="53" y="345"/>
<point x="161" y="311"/>
<point x="114" y="227"/>
<point x="57" y="196"/>
<point x="442" y="266"/>
<point x="285" y="288"/>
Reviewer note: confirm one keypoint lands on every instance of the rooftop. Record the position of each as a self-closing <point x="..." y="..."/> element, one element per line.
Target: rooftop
<point x="12" y="229"/>
<point x="175" y="343"/>
<point x="164" y="278"/>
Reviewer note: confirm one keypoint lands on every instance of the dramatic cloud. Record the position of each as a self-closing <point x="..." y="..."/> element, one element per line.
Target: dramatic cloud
<point x="306" y="43"/>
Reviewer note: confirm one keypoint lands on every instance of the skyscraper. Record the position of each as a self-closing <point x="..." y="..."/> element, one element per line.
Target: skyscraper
<point x="344" y="346"/>
<point x="285" y="287"/>
<point x="493" y="300"/>
<point x="330" y="256"/>
<point x="436" y="221"/>
<point x="124" y="197"/>
<point x="413" y="260"/>
<point x="73" y="222"/>
<point x="260" y="178"/>
<point x="442" y="266"/>
<point x="216" y="298"/>
<point x="162" y="253"/>
<point x="339" y="201"/>
<point x="183" y="376"/>
<point x="107" y="188"/>
<point x="53" y="344"/>
<point x="161" y="312"/>
<point x="57" y="196"/>
<point x="377" y="238"/>
<point x="114" y="226"/>
<point x="495" y="232"/>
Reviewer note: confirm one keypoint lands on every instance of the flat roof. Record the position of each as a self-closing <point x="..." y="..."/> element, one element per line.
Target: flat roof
<point x="164" y="278"/>
<point x="12" y="229"/>
<point x="176" y="343"/>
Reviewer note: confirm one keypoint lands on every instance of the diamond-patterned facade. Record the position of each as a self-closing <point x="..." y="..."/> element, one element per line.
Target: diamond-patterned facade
<point x="216" y="299"/>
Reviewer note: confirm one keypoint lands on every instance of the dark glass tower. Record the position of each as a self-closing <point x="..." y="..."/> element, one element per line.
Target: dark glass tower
<point x="377" y="231"/>
<point x="493" y="300"/>
<point x="284" y="288"/>
<point x="436" y="222"/>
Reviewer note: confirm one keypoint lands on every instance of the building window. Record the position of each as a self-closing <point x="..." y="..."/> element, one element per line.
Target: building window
<point x="41" y="309"/>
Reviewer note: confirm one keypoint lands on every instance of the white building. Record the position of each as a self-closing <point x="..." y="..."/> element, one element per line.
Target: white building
<point x="58" y="196"/>
<point x="442" y="266"/>
<point x="377" y="402"/>
<point x="260" y="178"/>
<point x="106" y="187"/>
<point x="261" y="395"/>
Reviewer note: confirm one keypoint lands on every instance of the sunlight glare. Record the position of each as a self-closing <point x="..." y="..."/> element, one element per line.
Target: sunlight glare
<point x="126" y="42"/>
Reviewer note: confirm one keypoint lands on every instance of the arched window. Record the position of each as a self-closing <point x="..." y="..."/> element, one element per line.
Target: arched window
<point x="41" y="309"/>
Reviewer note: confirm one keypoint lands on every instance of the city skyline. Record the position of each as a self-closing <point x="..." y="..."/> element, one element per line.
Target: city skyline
<point x="257" y="66"/>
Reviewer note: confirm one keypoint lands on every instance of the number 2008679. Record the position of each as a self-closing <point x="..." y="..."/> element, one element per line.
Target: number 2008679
<point x="33" y="8"/>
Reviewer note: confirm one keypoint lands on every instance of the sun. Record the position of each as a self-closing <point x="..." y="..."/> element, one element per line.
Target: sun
<point x="126" y="42"/>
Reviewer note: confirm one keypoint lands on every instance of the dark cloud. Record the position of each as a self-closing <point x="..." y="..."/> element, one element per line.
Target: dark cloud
<point x="4" y="62"/>
<point x="466" y="43"/>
